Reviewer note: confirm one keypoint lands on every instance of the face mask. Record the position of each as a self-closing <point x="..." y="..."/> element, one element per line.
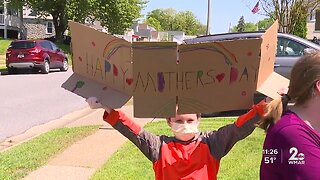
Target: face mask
<point x="184" y="132"/>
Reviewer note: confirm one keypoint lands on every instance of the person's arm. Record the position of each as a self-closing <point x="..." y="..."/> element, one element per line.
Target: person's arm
<point x="222" y="140"/>
<point x="148" y="143"/>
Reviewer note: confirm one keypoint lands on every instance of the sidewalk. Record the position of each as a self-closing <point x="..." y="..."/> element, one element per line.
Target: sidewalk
<point x="82" y="159"/>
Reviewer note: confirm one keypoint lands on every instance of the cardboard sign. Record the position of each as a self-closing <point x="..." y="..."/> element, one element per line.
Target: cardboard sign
<point x="164" y="77"/>
<point x="102" y="66"/>
<point x="270" y="82"/>
<point x="218" y="75"/>
<point x="155" y="69"/>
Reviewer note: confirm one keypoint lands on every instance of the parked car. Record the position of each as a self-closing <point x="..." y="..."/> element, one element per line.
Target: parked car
<point x="35" y="54"/>
<point x="289" y="49"/>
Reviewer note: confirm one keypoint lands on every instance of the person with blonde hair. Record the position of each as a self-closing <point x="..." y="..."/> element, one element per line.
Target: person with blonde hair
<point x="189" y="154"/>
<point x="291" y="148"/>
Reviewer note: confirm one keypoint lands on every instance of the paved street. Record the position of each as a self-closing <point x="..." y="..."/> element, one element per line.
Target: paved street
<point x="30" y="99"/>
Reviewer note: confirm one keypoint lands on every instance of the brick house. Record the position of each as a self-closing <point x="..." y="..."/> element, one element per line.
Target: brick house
<point x="30" y="26"/>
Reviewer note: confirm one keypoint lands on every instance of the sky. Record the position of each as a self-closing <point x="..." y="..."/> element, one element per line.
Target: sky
<point x="224" y="13"/>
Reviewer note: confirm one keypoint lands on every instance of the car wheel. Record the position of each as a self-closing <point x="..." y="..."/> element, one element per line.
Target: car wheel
<point x="65" y="65"/>
<point x="45" y="68"/>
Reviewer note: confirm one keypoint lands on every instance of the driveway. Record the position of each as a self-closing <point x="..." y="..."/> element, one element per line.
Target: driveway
<point x="30" y="99"/>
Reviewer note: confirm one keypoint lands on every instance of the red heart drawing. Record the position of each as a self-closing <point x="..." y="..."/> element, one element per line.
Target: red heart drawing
<point x="129" y="81"/>
<point x="220" y="77"/>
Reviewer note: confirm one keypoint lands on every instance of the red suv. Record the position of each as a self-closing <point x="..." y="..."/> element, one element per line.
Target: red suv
<point x="35" y="54"/>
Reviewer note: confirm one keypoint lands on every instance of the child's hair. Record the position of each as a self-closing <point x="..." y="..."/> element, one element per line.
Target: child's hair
<point x="304" y="75"/>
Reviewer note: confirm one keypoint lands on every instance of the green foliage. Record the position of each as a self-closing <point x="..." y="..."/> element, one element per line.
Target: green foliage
<point x="265" y="23"/>
<point x="301" y="28"/>
<point x="242" y="162"/>
<point x="164" y="16"/>
<point x="241" y="25"/>
<point x="171" y="20"/>
<point x="4" y="44"/>
<point x="248" y="27"/>
<point x="289" y="13"/>
<point x="117" y="15"/>
<point x="154" y="23"/>
<point x="17" y="162"/>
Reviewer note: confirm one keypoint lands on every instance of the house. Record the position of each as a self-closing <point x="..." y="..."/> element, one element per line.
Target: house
<point x="30" y="26"/>
<point x="144" y="32"/>
<point x="313" y="26"/>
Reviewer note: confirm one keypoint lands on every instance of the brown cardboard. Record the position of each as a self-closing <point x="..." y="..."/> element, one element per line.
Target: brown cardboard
<point x="86" y="87"/>
<point x="155" y="67"/>
<point x="161" y="76"/>
<point x="104" y="59"/>
<point x="217" y="76"/>
<point x="266" y="71"/>
<point x="273" y="84"/>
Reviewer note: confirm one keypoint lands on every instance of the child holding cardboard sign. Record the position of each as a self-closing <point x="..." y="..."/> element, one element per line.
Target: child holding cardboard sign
<point x="190" y="154"/>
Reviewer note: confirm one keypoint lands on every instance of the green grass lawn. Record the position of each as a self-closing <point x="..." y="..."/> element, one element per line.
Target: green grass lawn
<point x="4" y="45"/>
<point x="17" y="162"/>
<point x="3" y="48"/>
<point x="242" y="162"/>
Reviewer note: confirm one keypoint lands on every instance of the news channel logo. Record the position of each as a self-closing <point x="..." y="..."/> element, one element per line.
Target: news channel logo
<point x="275" y="155"/>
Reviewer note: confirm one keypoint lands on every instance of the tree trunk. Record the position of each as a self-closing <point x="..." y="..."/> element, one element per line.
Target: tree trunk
<point x="60" y="26"/>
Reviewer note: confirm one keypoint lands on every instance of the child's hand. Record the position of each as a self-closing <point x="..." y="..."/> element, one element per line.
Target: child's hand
<point x="94" y="103"/>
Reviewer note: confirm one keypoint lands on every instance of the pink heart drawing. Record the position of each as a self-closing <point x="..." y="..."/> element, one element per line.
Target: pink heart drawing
<point x="220" y="77"/>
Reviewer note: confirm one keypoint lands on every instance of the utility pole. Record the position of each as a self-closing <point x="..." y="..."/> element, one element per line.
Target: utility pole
<point x="208" y="17"/>
<point x="5" y="36"/>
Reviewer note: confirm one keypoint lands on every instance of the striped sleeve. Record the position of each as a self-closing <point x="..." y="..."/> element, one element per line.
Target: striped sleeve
<point x="148" y="143"/>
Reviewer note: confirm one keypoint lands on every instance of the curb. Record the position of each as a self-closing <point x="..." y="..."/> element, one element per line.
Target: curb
<point x="43" y="128"/>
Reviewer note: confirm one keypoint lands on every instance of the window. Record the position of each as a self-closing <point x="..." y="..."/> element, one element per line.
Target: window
<point x="22" y="45"/>
<point x="288" y="47"/>
<point x="54" y="47"/>
<point x="49" y="27"/>
<point x="46" y="45"/>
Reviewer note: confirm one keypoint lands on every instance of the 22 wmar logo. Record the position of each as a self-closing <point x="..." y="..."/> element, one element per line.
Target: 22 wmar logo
<point x="296" y="157"/>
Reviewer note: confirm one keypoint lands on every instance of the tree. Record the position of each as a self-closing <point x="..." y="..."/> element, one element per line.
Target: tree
<point x="248" y="27"/>
<point x="164" y="16"/>
<point x="241" y="25"/>
<point x="265" y="23"/>
<point x="187" y="22"/>
<point x="301" y="28"/>
<point x="288" y="12"/>
<point x="171" y="20"/>
<point x="116" y="15"/>
<point x="154" y="23"/>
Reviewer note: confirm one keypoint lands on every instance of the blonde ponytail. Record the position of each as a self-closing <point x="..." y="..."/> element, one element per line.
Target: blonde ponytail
<point x="273" y="112"/>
